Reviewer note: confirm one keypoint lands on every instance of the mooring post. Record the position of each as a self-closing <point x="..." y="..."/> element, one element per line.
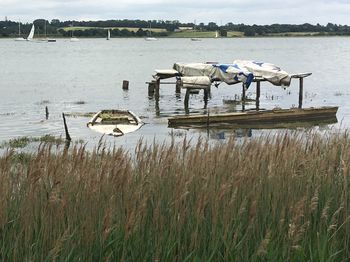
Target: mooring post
<point x="68" y="138"/>
<point x="206" y="95"/>
<point x="257" y="101"/>
<point x="151" y="87"/>
<point x="243" y="97"/>
<point x="301" y="90"/>
<point x="243" y="92"/>
<point x="178" y="87"/>
<point x="187" y="97"/>
<point x="125" y="85"/>
<point x="46" y="112"/>
<point x="157" y="86"/>
<point x="157" y="107"/>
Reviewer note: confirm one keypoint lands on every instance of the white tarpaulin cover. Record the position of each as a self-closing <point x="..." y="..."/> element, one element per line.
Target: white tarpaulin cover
<point x="239" y="71"/>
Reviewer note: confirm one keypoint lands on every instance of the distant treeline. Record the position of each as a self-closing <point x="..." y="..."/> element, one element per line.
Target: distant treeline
<point x="97" y="28"/>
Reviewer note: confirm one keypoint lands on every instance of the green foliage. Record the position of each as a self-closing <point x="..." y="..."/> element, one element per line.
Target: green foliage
<point x="137" y="28"/>
<point x="22" y="142"/>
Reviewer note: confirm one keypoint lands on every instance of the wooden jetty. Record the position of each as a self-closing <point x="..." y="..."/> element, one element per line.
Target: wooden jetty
<point x="202" y="79"/>
<point x="254" y="118"/>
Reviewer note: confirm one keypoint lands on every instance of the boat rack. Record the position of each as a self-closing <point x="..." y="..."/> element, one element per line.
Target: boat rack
<point x="154" y="87"/>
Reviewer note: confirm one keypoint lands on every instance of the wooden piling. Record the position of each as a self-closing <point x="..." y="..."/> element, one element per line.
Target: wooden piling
<point x="301" y="90"/>
<point x="206" y="95"/>
<point x="178" y="87"/>
<point x="46" y="112"/>
<point x="125" y="85"/>
<point x="151" y="88"/>
<point x="187" y="98"/>
<point x="157" y="87"/>
<point x="257" y="101"/>
<point x="68" y="138"/>
<point x="243" y="97"/>
<point x="243" y="93"/>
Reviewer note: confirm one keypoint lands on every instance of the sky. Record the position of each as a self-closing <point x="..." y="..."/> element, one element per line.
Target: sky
<point x="219" y="11"/>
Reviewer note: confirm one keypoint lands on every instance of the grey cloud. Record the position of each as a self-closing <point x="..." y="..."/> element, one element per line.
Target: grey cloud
<point x="237" y="11"/>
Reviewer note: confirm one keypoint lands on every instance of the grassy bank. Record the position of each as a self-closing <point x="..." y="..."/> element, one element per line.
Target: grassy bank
<point x="283" y="198"/>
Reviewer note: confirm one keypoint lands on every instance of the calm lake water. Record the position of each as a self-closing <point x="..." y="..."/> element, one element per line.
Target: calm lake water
<point x="62" y="75"/>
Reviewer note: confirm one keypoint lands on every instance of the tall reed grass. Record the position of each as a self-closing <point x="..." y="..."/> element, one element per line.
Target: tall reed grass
<point x="277" y="198"/>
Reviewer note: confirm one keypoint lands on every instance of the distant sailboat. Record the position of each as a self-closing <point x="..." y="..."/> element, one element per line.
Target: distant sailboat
<point x="46" y="39"/>
<point x="73" y="38"/>
<point x="50" y="40"/>
<point x="217" y="34"/>
<point x="108" y="34"/>
<point x="19" y="38"/>
<point x="150" y="38"/>
<point x="31" y="34"/>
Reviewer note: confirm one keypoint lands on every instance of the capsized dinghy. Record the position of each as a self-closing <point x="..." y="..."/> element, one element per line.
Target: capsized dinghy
<point x="115" y="122"/>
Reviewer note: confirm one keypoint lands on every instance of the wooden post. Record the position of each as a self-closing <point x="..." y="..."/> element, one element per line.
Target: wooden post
<point x="243" y="97"/>
<point x="301" y="90"/>
<point x="178" y="87"/>
<point x="46" y="112"/>
<point x="187" y="97"/>
<point x="157" y="107"/>
<point x="206" y="95"/>
<point x="125" y="85"/>
<point x="208" y="120"/>
<point x="68" y="138"/>
<point x="257" y="101"/>
<point x="151" y="87"/>
<point x="157" y="86"/>
<point x="243" y="93"/>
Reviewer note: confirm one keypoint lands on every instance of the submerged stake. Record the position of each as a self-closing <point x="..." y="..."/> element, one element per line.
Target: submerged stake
<point x="66" y="128"/>
<point x="47" y="112"/>
<point x="125" y="85"/>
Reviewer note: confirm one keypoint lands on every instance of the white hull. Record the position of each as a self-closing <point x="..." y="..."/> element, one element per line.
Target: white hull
<point x="74" y="39"/>
<point x="97" y="125"/>
<point x="151" y="39"/>
<point x="20" y="39"/>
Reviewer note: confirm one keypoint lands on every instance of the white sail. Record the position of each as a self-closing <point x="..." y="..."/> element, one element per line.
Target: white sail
<point x="108" y="34"/>
<point x="31" y="34"/>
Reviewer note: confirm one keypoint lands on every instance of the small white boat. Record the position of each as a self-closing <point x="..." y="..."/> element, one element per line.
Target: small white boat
<point x="108" y="34"/>
<point x="115" y="122"/>
<point x="19" y="38"/>
<point x="151" y="39"/>
<point x="73" y="38"/>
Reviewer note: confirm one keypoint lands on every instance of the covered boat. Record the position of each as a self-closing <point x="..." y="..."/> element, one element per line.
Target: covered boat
<point x="115" y="122"/>
<point x="244" y="71"/>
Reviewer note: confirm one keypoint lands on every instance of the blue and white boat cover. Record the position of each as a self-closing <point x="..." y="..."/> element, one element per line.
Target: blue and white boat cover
<point x="243" y="71"/>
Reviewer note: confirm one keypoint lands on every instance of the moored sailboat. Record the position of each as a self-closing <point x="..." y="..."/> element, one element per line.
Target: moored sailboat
<point x="19" y="38"/>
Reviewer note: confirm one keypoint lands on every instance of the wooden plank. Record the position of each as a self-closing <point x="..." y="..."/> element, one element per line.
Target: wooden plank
<point x="273" y="116"/>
